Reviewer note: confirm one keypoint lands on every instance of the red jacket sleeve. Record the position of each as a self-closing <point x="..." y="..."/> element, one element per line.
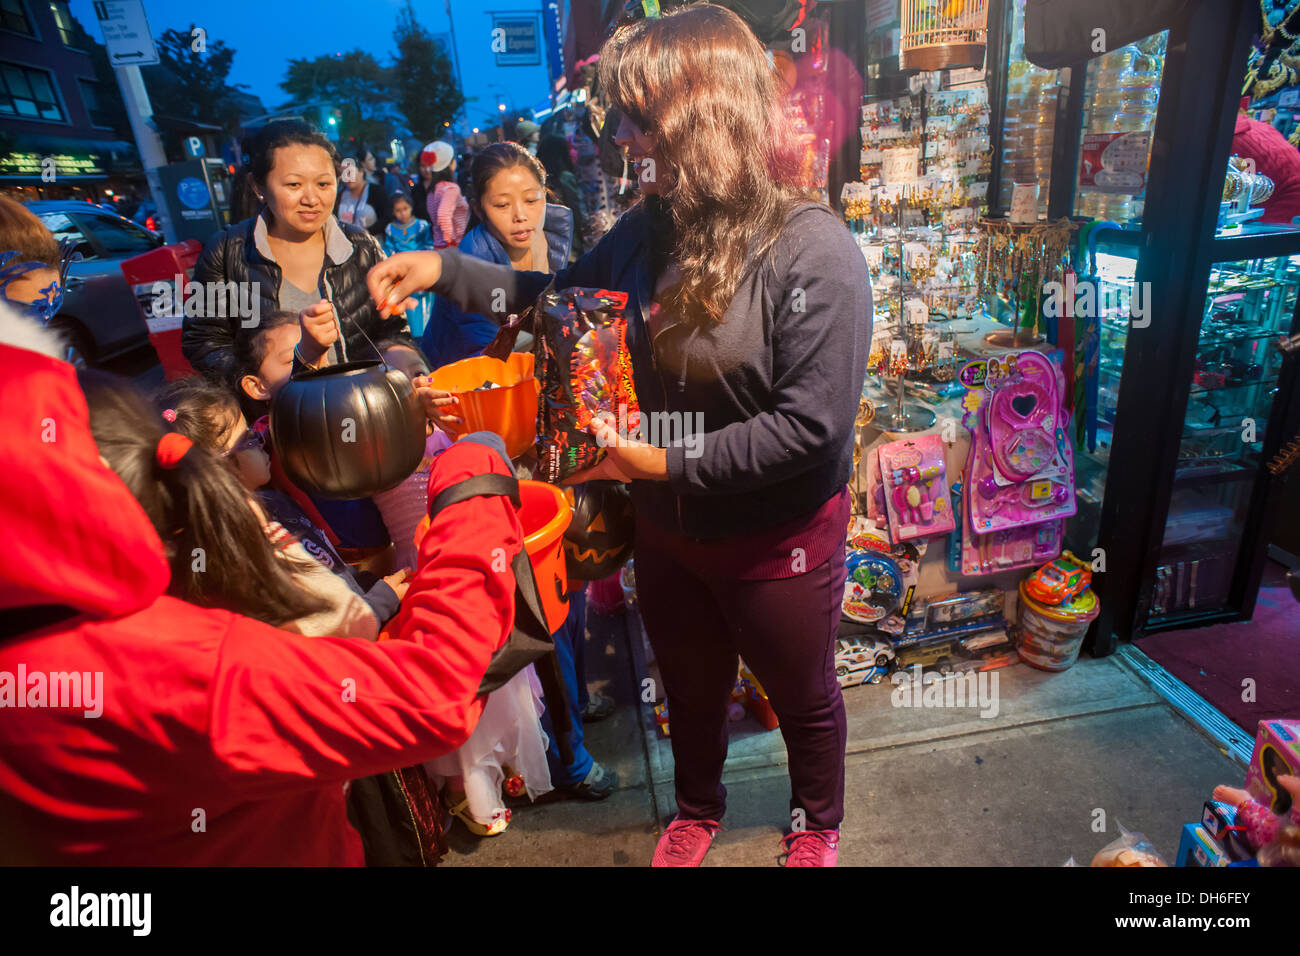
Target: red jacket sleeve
<point x="288" y="710"/>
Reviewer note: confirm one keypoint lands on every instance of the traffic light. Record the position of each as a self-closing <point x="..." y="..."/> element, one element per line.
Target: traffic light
<point x="330" y="120"/>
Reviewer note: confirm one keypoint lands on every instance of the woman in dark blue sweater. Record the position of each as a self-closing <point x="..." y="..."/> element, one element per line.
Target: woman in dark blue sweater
<point x="749" y="323"/>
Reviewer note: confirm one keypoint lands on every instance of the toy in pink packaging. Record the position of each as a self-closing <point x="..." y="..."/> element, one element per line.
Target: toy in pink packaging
<point x="1021" y="466"/>
<point x="913" y="473"/>
<point x="1010" y="548"/>
<point x="1277" y="753"/>
<point x="1256" y="818"/>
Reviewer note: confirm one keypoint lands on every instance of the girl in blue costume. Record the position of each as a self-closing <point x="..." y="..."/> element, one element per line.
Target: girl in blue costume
<point x="408" y="234"/>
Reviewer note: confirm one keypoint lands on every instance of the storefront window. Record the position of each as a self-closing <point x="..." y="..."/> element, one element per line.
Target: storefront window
<point x="1120" y="96"/>
<point x="13" y="16"/>
<point x="1030" y="119"/>
<point x="28" y="93"/>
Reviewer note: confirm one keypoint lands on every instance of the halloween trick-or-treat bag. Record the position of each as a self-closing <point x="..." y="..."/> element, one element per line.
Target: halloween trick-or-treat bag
<point x="581" y="359"/>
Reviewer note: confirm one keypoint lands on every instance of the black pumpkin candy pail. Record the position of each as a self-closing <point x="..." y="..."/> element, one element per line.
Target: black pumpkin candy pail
<point x="348" y="431"/>
<point x="599" y="539"/>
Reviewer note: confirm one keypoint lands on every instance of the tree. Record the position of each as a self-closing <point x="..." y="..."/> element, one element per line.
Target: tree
<point x="427" y="92"/>
<point x="353" y="83"/>
<point x="190" y="80"/>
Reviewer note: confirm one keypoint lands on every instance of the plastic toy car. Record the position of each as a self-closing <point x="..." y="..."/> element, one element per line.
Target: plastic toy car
<point x="861" y="660"/>
<point x="1058" y="581"/>
<point x="941" y="654"/>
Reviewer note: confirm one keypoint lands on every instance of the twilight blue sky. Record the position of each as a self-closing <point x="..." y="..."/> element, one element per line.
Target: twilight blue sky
<point x="266" y="34"/>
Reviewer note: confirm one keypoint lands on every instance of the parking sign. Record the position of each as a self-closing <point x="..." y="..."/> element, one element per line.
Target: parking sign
<point x="126" y="32"/>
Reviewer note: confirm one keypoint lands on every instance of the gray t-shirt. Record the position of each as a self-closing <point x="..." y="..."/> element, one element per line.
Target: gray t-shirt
<point x="294" y="299"/>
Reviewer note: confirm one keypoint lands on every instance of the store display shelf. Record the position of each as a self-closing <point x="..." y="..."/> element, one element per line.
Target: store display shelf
<point x="1198" y="390"/>
<point x="1187" y="618"/>
<point x="1126" y="238"/>
<point x="1223" y="293"/>
<point x="1255" y="336"/>
<point x="1254" y="241"/>
<point x="1214" y="473"/>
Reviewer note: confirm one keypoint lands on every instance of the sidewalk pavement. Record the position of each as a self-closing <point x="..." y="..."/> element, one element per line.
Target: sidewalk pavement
<point x="1065" y="758"/>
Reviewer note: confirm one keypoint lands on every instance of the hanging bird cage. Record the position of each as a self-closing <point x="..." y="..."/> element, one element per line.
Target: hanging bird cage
<point x="942" y="34"/>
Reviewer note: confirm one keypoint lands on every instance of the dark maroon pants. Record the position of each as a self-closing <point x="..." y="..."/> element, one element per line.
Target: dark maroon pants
<point x="785" y="630"/>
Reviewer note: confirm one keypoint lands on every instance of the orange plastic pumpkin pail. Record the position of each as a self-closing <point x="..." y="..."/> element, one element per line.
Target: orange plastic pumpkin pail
<point x="510" y="411"/>
<point x="544" y="514"/>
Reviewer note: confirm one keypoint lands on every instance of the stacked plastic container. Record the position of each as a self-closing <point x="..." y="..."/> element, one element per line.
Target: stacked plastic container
<point x="1029" y="122"/>
<point x="1121" y="95"/>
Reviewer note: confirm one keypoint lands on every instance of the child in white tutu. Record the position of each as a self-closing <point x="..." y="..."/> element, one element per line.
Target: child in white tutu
<point x="507" y="749"/>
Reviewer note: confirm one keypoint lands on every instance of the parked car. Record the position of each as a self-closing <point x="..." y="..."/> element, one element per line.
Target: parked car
<point x="146" y="214"/>
<point x="100" y="317"/>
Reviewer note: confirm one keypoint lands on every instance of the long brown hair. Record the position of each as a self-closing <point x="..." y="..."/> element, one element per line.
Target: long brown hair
<point x="198" y="508"/>
<point x="699" y="82"/>
<point x="22" y="232"/>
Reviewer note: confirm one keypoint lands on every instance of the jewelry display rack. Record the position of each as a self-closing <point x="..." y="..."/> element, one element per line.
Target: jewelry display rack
<point x="1015" y="262"/>
<point x="905" y="416"/>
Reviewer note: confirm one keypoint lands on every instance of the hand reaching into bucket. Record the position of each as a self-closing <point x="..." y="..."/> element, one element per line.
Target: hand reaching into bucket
<point x="320" y="330"/>
<point x="393" y="281"/>
<point x="399" y="581"/>
<point x="436" y="402"/>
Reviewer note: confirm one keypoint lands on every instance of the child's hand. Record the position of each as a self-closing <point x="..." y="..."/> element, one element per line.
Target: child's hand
<point x="435" y="400"/>
<point x="320" y="330"/>
<point x="400" y="582"/>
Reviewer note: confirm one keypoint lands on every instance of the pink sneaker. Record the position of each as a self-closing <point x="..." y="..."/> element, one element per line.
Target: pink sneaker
<point x="812" y="848"/>
<point x="685" y="843"/>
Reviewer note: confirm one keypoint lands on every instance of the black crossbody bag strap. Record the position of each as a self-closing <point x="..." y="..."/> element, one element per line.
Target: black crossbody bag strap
<point x="480" y="486"/>
<point x="530" y="639"/>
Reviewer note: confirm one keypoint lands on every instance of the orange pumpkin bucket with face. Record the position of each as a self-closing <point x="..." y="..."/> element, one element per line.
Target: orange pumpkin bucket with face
<point x="509" y="410"/>
<point x="544" y="514"/>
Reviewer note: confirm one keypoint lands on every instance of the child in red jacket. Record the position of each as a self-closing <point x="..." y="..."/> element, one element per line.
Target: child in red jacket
<point x="251" y="730"/>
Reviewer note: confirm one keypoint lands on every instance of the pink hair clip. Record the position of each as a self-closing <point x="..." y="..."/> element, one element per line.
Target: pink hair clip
<point x="169" y="414"/>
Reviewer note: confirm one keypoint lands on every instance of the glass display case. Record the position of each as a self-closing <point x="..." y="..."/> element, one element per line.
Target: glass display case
<point x="1180" y="395"/>
<point x="1114" y="271"/>
<point x="1248" y="306"/>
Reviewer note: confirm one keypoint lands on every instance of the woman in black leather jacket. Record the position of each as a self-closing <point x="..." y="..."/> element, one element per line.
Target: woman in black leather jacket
<point x="293" y="255"/>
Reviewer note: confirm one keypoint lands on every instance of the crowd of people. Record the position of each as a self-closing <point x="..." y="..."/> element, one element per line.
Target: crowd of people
<point x="289" y="669"/>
